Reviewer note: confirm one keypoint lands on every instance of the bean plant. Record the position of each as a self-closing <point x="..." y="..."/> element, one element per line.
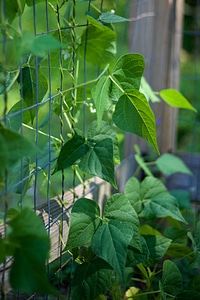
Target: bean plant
<point x="134" y="249"/>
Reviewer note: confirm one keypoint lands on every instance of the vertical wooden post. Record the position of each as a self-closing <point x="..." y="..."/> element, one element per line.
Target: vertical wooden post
<point x="156" y="34"/>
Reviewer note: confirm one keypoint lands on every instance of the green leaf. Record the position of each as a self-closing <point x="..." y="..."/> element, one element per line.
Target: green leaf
<point x="2" y="250"/>
<point x="147" y="91"/>
<point x="133" y="114"/>
<point x="91" y="279"/>
<point x="31" y="244"/>
<point x="118" y="207"/>
<point x="170" y="164"/>
<point x="132" y="192"/>
<point x="151" y="199"/>
<point x="29" y="83"/>
<point x="11" y="9"/>
<point x="84" y="221"/>
<point x="157" y="201"/>
<point x="13" y="147"/>
<point x="128" y="70"/>
<point x="110" y="242"/>
<point x="105" y="130"/>
<point x="73" y="150"/>
<point x="44" y="43"/>
<point x="141" y="162"/>
<point x="135" y="256"/>
<point x="7" y="80"/>
<point x="177" y="250"/>
<point x="111" y="18"/>
<point x="98" y="161"/>
<point x="196" y="246"/>
<point x="20" y="175"/>
<point x="176" y="99"/>
<point x="100" y="94"/>
<point x="18" y="116"/>
<point x="157" y="246"/>
<point x="101" y="45"/>
<point x="187" y="294"/>
<point x="172" y="280"/>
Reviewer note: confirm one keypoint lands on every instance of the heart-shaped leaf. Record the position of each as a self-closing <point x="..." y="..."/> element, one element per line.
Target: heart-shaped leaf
<point x="84" y="221"/>
<point x="133" y="114"/>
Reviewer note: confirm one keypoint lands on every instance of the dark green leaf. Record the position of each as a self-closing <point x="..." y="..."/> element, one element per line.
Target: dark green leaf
<point x="104" y="131"/>
<point x="119" y="208"/>
<point x="135" y="256"/>
<point x="110" y="242"/>
<point x="176" y="99"/>
<point x="31" y="245"/>
<point x="172" y="280"/>
<point x="10" y="9"/>
<point x="98" y="161"/>
<point x="20" y="175"/>
<point x="132" y="192"/>
<point x="133" y="114"/>
<point x="33" y="87"/>
<point x="72" y="151"/>
<point x="91" y="279"/>
<point x="187" y="294"/>
<point x="2" y="250"/>
<point x="84" y="221"/>
<point x="13" y="147"/>
<point x="101" y="45"/>
<point x="157" y="246"/>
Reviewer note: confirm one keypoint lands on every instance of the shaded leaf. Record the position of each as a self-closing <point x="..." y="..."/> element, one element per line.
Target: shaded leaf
<point x="105" y="130"/>
<point x="18" y="116"/>
<point x="13" y="147"/>
<point x="33" y="88"/>
<point x="135" y="256"/>
<point x="172" y="280"/>
<point x="30" y="245"/>
<point x="72" y="151"/>
<point x="157" y="246"/>
<point x="176" y="99"/>
<point x="133" y="114"/>
<point x="84" y="221"/>
<point x="101" y="45"/>
<point x="114" y="252"/>
<point x="98" y="161"/>
<point x="91" y="279"/>
<point x="188" y="294"/>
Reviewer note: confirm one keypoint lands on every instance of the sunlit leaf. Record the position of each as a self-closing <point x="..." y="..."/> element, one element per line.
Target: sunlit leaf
<point x="101" y="96"/>
<point x="176" y="99"/>
<point x="111" y="18"/>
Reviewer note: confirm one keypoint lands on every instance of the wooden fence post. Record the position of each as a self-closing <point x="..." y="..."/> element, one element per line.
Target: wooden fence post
<point x="156" y="34"/>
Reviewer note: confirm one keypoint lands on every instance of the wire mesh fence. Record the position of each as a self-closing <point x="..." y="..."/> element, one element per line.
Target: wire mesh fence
<point x="52" y="53"/>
